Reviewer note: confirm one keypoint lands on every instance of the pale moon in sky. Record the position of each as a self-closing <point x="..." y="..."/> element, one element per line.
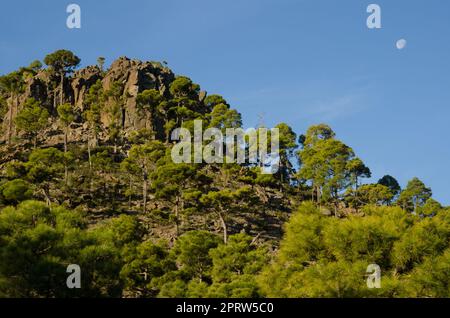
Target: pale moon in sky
<point x="401" y="44"/>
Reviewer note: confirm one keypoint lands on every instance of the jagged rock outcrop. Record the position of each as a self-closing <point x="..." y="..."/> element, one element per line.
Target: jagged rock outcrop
<point x="81" y="81"/>
<point x="134" y="75"/>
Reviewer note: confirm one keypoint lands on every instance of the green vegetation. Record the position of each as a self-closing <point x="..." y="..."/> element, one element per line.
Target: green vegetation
<point x="32" y="119"/>
<point x="91" y="181"/>
<point x="327" y="257"/>
<point x="60" y="63"/>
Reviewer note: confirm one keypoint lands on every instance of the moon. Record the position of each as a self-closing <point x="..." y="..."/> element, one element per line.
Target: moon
<point x="401" y="44"/>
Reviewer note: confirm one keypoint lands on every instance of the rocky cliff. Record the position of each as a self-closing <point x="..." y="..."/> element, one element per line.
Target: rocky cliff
<point x="134" y="76"/>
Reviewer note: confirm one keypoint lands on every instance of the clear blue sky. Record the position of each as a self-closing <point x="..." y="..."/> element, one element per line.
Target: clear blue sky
<point x="299" y="61"/>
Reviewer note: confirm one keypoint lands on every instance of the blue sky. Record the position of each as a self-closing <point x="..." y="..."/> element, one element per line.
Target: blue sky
<point x="301" y="62"/>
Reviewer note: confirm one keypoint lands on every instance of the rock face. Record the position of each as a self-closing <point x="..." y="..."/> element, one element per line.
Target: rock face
<point x="81" y="82"/>
<point x="134" y="75"/>
<point x="39" y="87"/>
<point x="137" y="76"/>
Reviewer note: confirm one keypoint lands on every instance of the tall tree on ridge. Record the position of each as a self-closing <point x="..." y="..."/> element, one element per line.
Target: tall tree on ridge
<point x="142" y="159"/>
<point x="324" y="163"/>
<point x="95" y="99"/>
<point x="116" y="112"/>
<point x="62" y="62"/>
<point x="391" y="183"/>
<point x="288" y="144"/>
<point x="415" y="195"/>
<point x="101" y="63"/>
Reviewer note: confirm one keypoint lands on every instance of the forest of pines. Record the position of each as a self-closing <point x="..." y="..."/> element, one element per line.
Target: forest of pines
<point x="86" y="178"/>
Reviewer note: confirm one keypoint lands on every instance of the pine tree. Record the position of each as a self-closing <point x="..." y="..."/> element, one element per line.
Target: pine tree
<point x="32" y="119"/>
<point x="142" y="160"/>
<point x="62" y="62"/>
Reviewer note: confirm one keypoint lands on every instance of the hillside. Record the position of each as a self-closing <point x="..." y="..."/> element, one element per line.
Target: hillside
<point x="87" y="178"/>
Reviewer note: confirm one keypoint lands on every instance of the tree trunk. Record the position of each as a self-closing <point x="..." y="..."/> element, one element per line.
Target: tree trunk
<point x="224" y="228"/>
<point x="318" y="194"/>
<point x="91" y="179"/>
<point x="280" y="168"/>
<point x="66" y="131"/>
<point x="89" y="154"/>
<point x="61" y="95"/>
<point x="415" y="205"/>
<point x="15" y="110"/>
<point x="130" y="186"/>
<point x="54" y="110"/>
<point x="176" y="216"/>
<point x="144" y="192"/>
<point x="66" y="172"/>
<point x="10" y="118"/>
<point x="95" y="138"/>
<point x="45" y="190"/>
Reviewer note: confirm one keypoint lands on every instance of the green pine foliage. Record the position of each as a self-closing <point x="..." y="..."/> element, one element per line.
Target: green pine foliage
<point x="112" y="201"/>
<point x="327" y="257"/>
